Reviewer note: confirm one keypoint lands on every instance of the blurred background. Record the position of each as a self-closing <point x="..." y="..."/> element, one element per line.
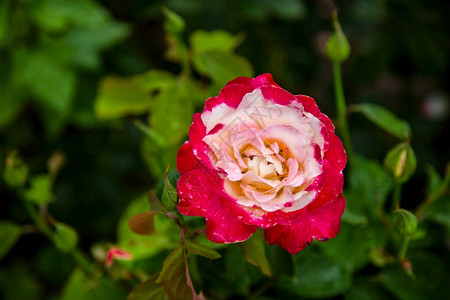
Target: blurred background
<point x="54" y="54"/>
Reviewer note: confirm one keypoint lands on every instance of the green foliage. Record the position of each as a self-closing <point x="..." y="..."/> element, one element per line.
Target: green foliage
<point x="65" y="237"/>
<point x="281" y="262"/>
<point x="236" y="272"/>
<point x="222" y="66"/>
<point x="79" y="286"/>
<point x="254" y="252"/>
<point x="369" y="185"/>
<point x="119" y="97"/>
<point x="172" y="112"/>
<point x="203" y="41"/>
<point x="173" y="276"/>
<point x="45" y="71"/>
<point x="427" y="280"/>
<point x="170" y="196"/>
<point x="39" y="192"/>
<point x="317" y="276"/>
<point x="384" y="119"/>
<point x="166" y="235"/>
<point x="148" y="290"/>
<point x="199" y="249"/>
<point x="363" y="240"/>
<point x="9" y="234"/>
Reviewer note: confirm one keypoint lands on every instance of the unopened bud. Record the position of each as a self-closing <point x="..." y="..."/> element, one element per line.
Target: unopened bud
<point x="337" y="47"/>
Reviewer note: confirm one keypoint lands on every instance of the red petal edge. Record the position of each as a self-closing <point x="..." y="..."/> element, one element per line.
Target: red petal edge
<point x="321" y="224"/>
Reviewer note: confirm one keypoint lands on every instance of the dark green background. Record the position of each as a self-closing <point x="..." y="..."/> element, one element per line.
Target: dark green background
<point x="400" y="59"/>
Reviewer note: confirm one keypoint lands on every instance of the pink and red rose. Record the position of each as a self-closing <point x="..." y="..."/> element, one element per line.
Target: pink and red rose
<point x="258" y="156"/>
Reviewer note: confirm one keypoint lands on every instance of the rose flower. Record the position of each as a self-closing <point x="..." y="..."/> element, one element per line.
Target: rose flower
<point x="258" y="156"/>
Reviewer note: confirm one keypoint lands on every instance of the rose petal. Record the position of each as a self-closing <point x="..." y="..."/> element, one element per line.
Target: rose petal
<point x="321" y="223"/>
<point x="186" y="160"/>
<point x="263" y="79"/>
<point x="197" y="199"/>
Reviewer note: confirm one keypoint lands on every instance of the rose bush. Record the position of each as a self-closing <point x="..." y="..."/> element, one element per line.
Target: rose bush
<point x="258" y="156"/>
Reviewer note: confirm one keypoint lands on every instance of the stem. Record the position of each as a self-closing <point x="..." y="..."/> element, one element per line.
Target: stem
<point x="83" y="262"/>
<point x="37" y="220"/>
<point x="45" y="229"/>
<point x="404" y="248"/>
<point x="342" y="112"/>
<point x="397" y="196"/>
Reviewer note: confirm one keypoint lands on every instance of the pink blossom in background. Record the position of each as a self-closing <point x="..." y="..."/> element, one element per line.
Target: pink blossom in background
<point x="116" y="253"/>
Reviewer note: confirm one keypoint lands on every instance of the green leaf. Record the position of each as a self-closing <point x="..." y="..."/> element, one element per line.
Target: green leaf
<point x="362" y="240"/>
<point x="236" y="271"/>
<point x="10" y="105"/>
<point x="15" y="173"/>
<point x="148" y="290"/>
<point x="165" y="237"/>
<point x="173" y="23"/>
<point x="434" y="179"/>
<point x="203" y="240"/>
<point x="317" y="277"/>
<point x="9" y="234"/>
<point x="405" y="221"/>
<point x="151" y="135"/>
<point x="354" y="218"/>
<point x="401" y="162"/>
<point x="173" y="276"/>
<point x="169" y="197"/>
<point x="172" y="113"/>
<point x="79" y="286"/>
<point x="254" y="252"/>
<point x="281" y="262"/>
<point x="439" y="211"/>
<point x="58" y="15"/>
<point x="4" y="15"/>
<point x="286" y="10"/>
<point x="155" y="80"/>
<point x="86" y="44"/>
<point x="384" y="119"/>
<point x="40" y="191"/>
<point x="222" y="66"/>
<point x="65" y="237"/>
<point x="430" y="278"/>
<point x="369" y="187"/>
<point x="203" y="41"/>
<point x="367" y="289"/>
<point x="198" y="249"/>
<point x="50" y="81"/>
<point x="118" y="97"/>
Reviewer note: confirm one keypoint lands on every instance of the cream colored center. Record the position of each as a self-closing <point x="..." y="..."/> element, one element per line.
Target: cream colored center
<point x="266" y="152"/>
